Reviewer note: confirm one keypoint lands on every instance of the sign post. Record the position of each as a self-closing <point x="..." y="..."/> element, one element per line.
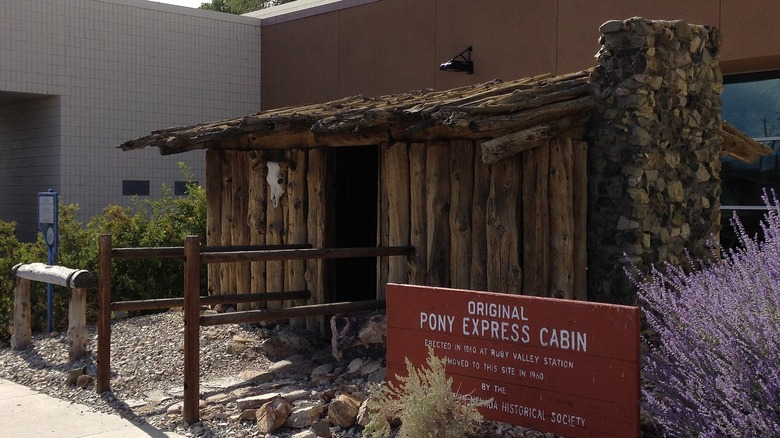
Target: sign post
<point x="48" y="223"/>
<point x="562" y="366"/>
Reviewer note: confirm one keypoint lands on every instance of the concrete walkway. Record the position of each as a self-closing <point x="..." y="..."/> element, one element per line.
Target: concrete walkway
<point x="27" y="413"/>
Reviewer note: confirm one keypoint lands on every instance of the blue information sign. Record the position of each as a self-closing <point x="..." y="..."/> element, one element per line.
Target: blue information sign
<point x="48" y="223"/>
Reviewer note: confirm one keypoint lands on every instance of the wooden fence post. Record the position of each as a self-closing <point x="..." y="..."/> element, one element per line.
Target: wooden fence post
<point x="22" y="313"/>
<point x="191" y="329"/>
<point x="77" y="324"/>
<point x="103" y="381"/>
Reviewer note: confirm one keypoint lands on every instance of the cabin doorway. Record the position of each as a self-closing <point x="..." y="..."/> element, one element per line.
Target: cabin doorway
<point x="354" y="173"/>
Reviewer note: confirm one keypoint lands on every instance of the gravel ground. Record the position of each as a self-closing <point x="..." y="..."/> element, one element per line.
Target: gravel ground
<point x="147" y="382"/>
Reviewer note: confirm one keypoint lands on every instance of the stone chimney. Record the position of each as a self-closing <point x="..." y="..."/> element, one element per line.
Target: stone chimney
<point x="654" y="155"/>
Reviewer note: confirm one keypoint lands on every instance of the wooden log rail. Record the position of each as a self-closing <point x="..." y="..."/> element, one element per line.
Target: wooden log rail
<point x="77" y="281"/>
<point x="194" y="258"/>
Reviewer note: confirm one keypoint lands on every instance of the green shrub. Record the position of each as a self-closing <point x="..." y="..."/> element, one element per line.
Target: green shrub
<point x="424" y="403"/>
<point x="161" y="222"/>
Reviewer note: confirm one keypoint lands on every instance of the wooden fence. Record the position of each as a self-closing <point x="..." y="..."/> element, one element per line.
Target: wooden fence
<point x="195" y="256"/>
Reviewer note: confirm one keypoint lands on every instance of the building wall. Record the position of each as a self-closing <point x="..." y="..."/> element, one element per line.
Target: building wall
<point x="116" y="69"/>
<point x="391" y="46"/>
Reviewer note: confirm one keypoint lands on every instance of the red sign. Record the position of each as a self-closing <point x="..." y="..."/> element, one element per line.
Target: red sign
<point x="562" y="366"/>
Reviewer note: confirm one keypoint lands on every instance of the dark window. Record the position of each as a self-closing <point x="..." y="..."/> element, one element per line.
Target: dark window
<point x="131" y="187"/>
<point x="751" y="103"/>
<point x="180" y="187"/>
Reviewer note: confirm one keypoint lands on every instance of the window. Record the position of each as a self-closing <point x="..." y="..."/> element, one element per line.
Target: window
<point x="180" y="187"/>
<point x="751" y="103"/>
<point x="132" y="187"/>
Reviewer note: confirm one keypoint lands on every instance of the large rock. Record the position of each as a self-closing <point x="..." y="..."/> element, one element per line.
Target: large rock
<point x="304" y="414"/>
<point x="272" y="415"/>
<point x="343" y="410"/>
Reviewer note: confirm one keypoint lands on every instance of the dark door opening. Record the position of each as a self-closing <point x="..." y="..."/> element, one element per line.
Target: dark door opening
<point x="354" y="173"/>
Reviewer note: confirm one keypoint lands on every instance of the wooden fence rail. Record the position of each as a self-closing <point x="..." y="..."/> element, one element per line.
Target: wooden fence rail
<point x="77" y="281"/>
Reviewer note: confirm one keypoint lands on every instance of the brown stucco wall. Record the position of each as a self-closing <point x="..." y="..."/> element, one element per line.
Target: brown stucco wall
<point x="393" y="46"/>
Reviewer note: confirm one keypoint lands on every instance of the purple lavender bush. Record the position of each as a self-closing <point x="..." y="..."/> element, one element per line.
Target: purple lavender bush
<point x="713" y="367"/>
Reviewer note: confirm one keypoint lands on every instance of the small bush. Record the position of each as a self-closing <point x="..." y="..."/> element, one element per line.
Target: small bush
<point x="424" y="403"/>
<point x="713" y="369"/>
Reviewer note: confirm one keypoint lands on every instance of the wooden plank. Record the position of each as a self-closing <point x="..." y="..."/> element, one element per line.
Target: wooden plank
<point x="505" y="273"/>
<point x="296" y="226"/>
<point x="213" y="213"/>
<point x="580" y="203"/>
<point x="437" y="208"/>
<point x="395" y="160"/>
<point x="536" y="222"/>
<point x="190" y="409"/>
<point x="418" y="224"/>
<point x="315" y="226"/>
<point x="292" y="312"/>
<point x="77" y="324"/>
<point x="527" y="139"/>
<point x="305" y="254"/>
<point x="462" y="154"/>
<point x="226" y="272"/>
<point x="479" y="255"/>
<point x="240" y="227"/>
<point x="167" y="303"/>
<point x="103" y="374"/>
<point x="383" y="220"/>
<point x="256" y="218"/>
<point x="561" y="220"/>
<point x="275" y="223"/>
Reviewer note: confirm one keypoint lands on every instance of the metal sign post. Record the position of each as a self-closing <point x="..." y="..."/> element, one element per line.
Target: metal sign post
<point x="48" y="223"/>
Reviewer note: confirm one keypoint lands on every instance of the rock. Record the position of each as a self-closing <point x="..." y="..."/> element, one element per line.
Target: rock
<point x="287" y="342"/>
<point x="74" y="374"/>
<point x="321" y="428"/>
<point x="248" y="415"/>
<point x="251" y="377"/>
<point x="175" y="409"/>
<point x="296" y="395"/>
<point x="304" y="434"/>
<point x="272" y="415"/>
<point x="85" y="381"/>
<point x="343" y="410"/>
<point x="358" y="334"/>
<point x="256" y="401"/>
<point x="304" y="414"/>
<point x="355" y="366"/>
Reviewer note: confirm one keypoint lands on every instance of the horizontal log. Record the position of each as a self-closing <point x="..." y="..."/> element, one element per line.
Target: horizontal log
<point x="166" y="303"/>
<point x="58" y="275"/>
<point x="516" y="142"/>
<point x="738" y="145"/>
<point x="251" y="316"/>
<point x="305" y="254"/>
<point x="178" y="251"/>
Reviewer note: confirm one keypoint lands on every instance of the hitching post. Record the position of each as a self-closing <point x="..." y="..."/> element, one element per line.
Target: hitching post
<point x="191" y="328"/>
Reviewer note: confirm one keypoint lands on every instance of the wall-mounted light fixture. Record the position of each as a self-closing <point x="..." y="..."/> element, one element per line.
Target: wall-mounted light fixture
<point x="461" y="63"/>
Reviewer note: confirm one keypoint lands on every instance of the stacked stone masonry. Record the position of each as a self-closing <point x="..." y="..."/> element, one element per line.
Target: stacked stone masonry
<point x="655" y="140"/>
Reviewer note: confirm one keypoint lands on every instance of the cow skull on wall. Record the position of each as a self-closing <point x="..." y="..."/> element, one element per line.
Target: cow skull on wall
<point x="277" y="180"/>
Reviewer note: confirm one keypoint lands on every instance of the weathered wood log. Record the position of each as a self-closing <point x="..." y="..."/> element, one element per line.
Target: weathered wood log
<point x="382" y="221"/>
<point x="22" y="335"/>
<point x="77" y="324"/>
<point x="317" y="176"/>
<point x="190" y="409"/>
<point x="479" y="248"/>
<point x="240" y="227"/>
<point x="226" y="272"/>
<point x="296" y="226"/>
<point x="252" y="316"/>
<point x="580" y="212"/>
<point x="275" y="223"/>
<point x="738" y="145"/>
<point x="437" y="207"/>
<point x="561" y="220"/>
<point x="462" y="188"/>
<point x="103" y="373"/>
<point x="57" y="275"/>
<point x="213" y="214"/>
<point x="418" y="226"/>
<point x="505" y="273"/>
<point x="528" y="119"/>
<point x="396" y="179"/>
<point x="209" y="300"/>
<point x="256" y="222"/>
<point x="527" y="139"/>
<point x="536" y="221"/>
<point x="306" y="254"/>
